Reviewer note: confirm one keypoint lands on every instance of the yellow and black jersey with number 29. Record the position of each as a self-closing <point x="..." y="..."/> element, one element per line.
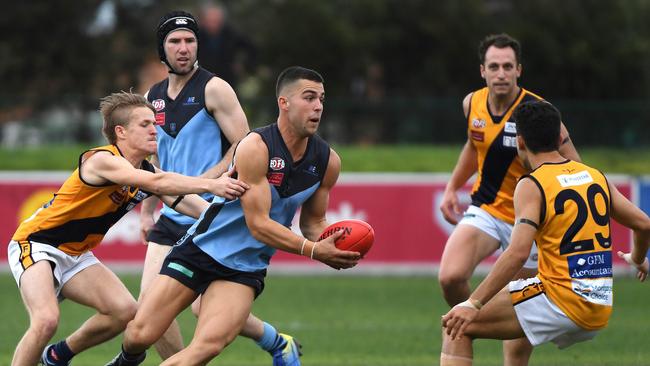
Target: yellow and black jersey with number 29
<point x="573" y="240"/>
<point x="78" y="216"/>
<point x="499" y="168"/>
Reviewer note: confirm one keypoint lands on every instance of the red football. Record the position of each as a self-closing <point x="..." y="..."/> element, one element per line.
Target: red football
<point x="358" y="235"/>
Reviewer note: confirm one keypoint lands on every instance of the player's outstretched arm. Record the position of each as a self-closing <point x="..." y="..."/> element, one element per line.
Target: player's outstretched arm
<point x="191" y="205"/>
<point x="104" y="167"/>
<point x="627" y="214"/>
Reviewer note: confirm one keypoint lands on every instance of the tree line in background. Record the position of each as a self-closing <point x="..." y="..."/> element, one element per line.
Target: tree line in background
<point x="392" y="67"/>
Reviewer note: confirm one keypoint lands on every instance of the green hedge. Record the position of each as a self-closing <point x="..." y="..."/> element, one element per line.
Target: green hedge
<point x="375" y="158"/>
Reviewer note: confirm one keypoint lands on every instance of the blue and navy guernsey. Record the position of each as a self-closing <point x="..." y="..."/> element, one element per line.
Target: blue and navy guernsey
<point x="189" y="138"/>
<point x="221" y="231"/>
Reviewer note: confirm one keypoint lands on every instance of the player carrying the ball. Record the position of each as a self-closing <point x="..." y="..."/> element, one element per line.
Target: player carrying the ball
<point x="225" y="254"/>
<point x="565" y="207"/>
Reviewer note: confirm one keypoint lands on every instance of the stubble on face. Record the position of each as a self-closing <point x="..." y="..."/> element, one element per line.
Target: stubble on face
<point x="181" y="48"/>
<point x="501" y="70"/>
<point x="305" y="100"/>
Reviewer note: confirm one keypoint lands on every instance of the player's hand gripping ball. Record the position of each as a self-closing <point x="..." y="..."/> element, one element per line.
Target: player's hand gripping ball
<point x="358" y="235"/>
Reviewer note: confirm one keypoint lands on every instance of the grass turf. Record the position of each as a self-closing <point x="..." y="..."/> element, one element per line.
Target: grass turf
<point x="360" y="321"/>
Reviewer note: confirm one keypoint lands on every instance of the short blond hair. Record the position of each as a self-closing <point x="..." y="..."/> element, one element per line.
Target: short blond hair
<point x="116" y="109"/>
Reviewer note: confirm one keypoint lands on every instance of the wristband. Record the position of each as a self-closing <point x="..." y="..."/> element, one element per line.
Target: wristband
<point x="312" y="250"/>
<point x="302" y="246"/>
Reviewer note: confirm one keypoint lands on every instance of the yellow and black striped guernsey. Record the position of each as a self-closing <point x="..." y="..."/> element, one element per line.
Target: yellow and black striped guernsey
<point x="78" y="216"/>
<point x="499" y="168"/>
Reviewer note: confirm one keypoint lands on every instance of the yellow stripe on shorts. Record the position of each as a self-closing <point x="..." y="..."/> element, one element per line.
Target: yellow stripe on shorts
<point x="526" y="293"/>
<point x="26" y="259"/>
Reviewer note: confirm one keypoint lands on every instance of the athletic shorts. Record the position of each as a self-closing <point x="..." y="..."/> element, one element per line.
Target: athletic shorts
<point x="166" y="231"/>
<point x="192" y="267"/>
<point x="64" y="266"/>
<point x="496" y="228"/>
<point x="541" y="320"/>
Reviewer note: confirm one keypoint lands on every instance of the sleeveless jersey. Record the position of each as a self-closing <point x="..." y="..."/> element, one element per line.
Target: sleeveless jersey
<point x="221" y="231"/>
<point x="499" y="168"/>
<point x="189" y="138"/>
<point x="78" y="216"/>
<point x="575" y="256"/>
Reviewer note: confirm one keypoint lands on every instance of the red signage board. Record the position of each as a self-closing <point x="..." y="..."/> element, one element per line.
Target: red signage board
<point x="402" y="209"/>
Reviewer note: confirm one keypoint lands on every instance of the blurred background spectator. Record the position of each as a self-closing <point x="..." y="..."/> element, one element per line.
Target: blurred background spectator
<point x="396" y="70"/>
<point x="224" y="50"/>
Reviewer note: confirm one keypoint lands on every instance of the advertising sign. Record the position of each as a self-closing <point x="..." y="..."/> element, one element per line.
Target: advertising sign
<point x="410" y="232"/>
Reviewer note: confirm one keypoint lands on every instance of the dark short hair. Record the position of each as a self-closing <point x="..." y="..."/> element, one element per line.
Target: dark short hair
<point x="295" y="73"/>
<point x="538" y="123"/>
<point x="502" y="40"/>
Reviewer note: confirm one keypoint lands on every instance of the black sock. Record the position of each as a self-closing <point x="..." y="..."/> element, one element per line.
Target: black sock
<point x="63" y="352"/>
<point x="133" y="358"/>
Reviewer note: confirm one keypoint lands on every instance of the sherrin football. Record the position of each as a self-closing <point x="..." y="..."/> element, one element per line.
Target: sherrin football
<point x="358" y="235"/>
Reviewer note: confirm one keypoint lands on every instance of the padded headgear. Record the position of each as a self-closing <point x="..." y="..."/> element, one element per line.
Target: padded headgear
<point x="170" y="22"/>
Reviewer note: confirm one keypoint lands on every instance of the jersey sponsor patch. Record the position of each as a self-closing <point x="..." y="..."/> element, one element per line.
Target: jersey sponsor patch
<point x="596" y="291"/>
<point x="478" y="123"/>
<point x="590" y="265"/>
<point x="591" y="275"/>
<point x="160" y="119"/>
<point x="276" y="163"/>
<point x="139" y="196"/>
<point x="510" y="127"/>
<point x="311" y="170"/>
<point x="191" y="101"/>
<point x="478" y="135"/>
<point x="577" y="179"/>
<point x="118" y="196"/>
<point x="158" y="104"/>
<point x="510" y="141"/>
<point x="275" y="178"/>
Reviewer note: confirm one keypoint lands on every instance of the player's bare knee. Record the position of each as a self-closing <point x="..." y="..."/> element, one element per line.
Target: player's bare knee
<point x="138" y="335"/>
<point x="450" y="281"/>
<point x="124" y="312"/>
<point x="45" y="324"/>
<point x="516" y="352"/>
<point x="209" y="350"/>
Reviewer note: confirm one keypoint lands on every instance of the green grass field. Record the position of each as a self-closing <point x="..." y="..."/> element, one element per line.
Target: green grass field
<point x="376" y="158"/>
<point x="362" y="321"/>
